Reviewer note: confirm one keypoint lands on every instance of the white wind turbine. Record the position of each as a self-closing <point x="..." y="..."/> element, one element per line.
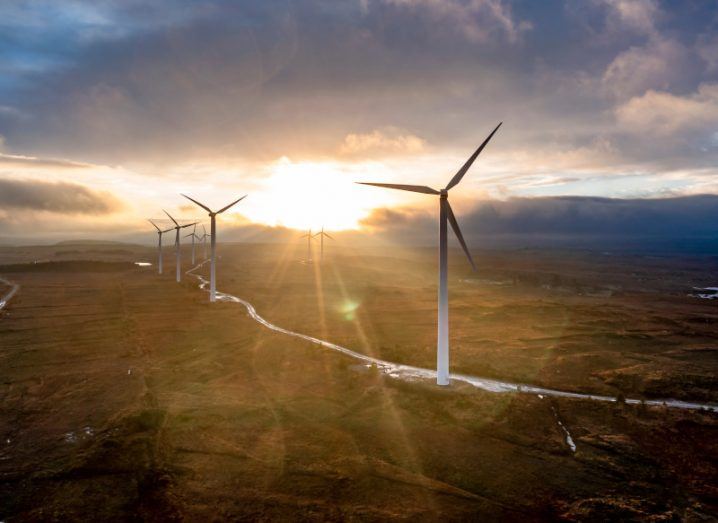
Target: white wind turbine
<point x="213" y="242"/>
<point x="194" y="236"/>
<point x="204" y="240"/>
<point x="445" y="212"/>
<point x="321" y="235"/>
<point x="160" y="232"/>
<point x="177" y="228"/>
<point x="309" y="238"/>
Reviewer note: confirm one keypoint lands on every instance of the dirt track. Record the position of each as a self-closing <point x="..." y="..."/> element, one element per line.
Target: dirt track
<point x="8" y="292"/>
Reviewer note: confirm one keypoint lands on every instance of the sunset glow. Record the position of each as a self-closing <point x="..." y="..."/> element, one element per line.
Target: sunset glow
<point x="264" y="99"/>
<point x="312" y="195"/>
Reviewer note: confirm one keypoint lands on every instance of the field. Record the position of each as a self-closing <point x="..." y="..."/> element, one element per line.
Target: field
<point x="126" y="395"/>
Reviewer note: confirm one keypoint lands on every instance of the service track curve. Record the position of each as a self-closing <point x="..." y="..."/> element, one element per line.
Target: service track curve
<point x="410" y="373"/>
<point x="5" y="299"/>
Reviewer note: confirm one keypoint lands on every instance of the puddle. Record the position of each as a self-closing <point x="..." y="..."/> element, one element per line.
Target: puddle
<point x="73" y="437"/>
<point x="705" y="293"/>
<point x="569" y="440"/>
<point x="14" y="287"/>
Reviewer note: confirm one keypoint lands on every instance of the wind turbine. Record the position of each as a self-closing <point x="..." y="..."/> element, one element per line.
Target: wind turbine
<point x="321" y="235"/>
<point x="160" y="232"/>
<point x="309" y="238"/>
<point x="177" y="243"/>
<point x="213" y="242"/>
<point x="193" y="235"/>
<point x="445" y="212"/>
<point x="204" y="241"/>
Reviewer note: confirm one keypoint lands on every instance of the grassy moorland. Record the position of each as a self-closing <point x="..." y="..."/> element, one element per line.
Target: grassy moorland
<point x="127" y="396"/>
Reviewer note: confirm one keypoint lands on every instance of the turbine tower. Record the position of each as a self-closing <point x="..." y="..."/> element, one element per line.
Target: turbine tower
<point x="321" y="235"/>
<point x="445" y="213"/>
<point x="160" y="232"/>
<point x="213" y="242"/>
<point x="204" y="241"/>
<point x="177" y="228"/>
<point x="194" y="236"/>
<point x="309" y="238"/>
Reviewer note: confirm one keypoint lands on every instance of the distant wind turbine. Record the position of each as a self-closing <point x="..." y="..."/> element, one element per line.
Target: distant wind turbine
<point x="204" y="241"/>
<point x="309" y="238"/>
<point x="193" y="234"/>
<point x="445" y="212"/>
<point x="321" y="235"/>
<point x="177" y="228"/>
<point x="160" y="232"/>
<point x="213" y="242"/>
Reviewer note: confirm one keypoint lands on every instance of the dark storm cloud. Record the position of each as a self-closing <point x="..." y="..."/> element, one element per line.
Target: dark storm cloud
<point x="63" y="198"/>
<point x="567" y="215"/>
<point x="122" y="81"/>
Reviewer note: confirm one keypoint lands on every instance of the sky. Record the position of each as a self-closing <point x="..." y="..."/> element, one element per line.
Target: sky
<point x="110" y="109"/>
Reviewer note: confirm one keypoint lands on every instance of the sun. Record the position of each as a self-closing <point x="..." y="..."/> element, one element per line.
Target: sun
<point x="312" y="195"/>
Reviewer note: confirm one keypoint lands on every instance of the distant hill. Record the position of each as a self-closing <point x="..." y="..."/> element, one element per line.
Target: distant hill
<point x="93" y="243"/>
<point x="70" y="266"/>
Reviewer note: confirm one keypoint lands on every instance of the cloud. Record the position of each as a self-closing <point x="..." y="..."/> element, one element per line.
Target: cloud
<point x="476" y="20"/>
<point x="578" y="216"/>
<point x="61" y="198"/>
<point x="389" y="140"/>
<point x="660" y="64"/>
<point x="382" y="219"/>
<point x="638" y="15"/>
<point x="393" y="80"/>
<point x="665" y="114"/>
<point x="12" y="160"/>
<point x="707" y="48"/>
<point x="256" y="79"/>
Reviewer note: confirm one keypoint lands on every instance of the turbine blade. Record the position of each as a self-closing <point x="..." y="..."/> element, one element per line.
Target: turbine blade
<point x="200" y="204"/>
<point x="154" y="225"/>
<point x="168" y="214"/>
<point x="413" y="188"/>
<point x="327" y="235"/>
<point x="459" y="175"/>
<point x="457" y="231"/>
<point x="231" y="204"/>
<point x="187" y="225"/>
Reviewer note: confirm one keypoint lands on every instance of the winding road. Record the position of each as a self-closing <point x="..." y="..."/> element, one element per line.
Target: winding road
<point x="410" y="373"/>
